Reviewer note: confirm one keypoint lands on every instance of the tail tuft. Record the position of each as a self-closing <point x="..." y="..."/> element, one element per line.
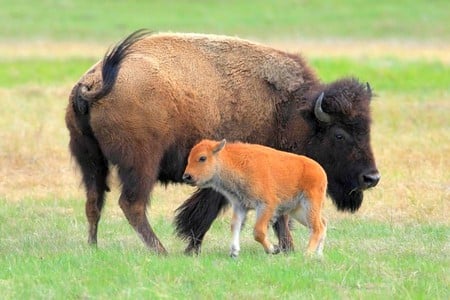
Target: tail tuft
<point x="83" y="96"/>
<point x="114" y="57"/>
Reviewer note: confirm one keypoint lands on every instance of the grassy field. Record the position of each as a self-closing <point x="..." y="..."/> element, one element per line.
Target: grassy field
<point x="83" y="19"/>
<point x="396" y="246"/>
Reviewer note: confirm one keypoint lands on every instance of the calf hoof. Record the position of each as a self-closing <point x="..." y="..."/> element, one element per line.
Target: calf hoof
<point x="276" y="249"/>
<point x="234" y="253"/>
<point x="273" y="250"/>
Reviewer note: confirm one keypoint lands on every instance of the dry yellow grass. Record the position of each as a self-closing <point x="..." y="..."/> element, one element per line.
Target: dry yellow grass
<point x="411" y="140"/>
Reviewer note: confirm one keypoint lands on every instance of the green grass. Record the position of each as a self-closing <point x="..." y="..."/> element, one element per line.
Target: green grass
<point x="106" y="20"/>
<point x="47" y="256"/>
<point x="42" y="71"/>
<point x="387" y="74"/>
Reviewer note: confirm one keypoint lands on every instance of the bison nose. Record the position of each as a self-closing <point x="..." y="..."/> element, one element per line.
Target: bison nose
<point x="187" y="178"/>
<point x="369" y="179"/>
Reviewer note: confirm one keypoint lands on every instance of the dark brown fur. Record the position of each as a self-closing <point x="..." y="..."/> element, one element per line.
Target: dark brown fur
<point x="153" y="97"/>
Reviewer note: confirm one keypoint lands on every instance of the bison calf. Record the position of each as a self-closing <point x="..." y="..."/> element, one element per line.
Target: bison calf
<point x="256" y="177"/>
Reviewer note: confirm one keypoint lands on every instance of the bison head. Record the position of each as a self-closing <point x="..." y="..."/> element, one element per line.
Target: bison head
<point x="340" y="140"/>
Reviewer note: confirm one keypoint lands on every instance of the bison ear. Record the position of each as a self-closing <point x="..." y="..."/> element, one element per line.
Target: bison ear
<point x="219" y="146"/>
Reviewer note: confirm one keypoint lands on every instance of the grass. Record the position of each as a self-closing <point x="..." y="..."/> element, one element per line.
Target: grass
<point x="99" y="20"/>
<point x="363" y="259"/>
<point x="395" y="247"/>
<point x="384" y="73"/>
<point x="42" y="71"/>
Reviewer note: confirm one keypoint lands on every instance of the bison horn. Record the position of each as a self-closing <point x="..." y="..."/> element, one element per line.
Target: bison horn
<point x="369" y="89"/>
<point x="318" y="111"/>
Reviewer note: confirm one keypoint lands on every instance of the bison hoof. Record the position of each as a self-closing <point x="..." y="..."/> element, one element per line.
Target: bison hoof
<point x="192" y="251"/>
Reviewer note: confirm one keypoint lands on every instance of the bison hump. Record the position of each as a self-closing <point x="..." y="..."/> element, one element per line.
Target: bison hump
<point x="284" y="73"/>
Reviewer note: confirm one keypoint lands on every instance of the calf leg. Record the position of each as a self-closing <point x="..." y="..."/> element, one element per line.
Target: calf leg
<point x="309" y="214"/>
<point x="136" y="187"/>
<point x="239" y="215"/>
<point x="263" y="216"/>
<point x="317" y="226"/>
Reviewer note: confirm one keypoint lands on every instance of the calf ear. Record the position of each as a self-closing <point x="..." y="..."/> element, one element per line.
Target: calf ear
<point x="219" y="146"/>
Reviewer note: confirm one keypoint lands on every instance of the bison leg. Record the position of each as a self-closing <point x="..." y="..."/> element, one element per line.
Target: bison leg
<point x="195" y="216"/>
<point x="94" y="169"/>
<point x="283" y="233"/>
<point x="133" y="201"/>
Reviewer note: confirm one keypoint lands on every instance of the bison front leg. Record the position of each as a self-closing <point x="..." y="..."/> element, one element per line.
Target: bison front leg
<point x="133" y="201"/>
<point x="282" y="230"/>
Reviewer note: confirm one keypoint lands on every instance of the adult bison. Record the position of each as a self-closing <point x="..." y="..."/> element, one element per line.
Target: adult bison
<point x="152" y="97"/>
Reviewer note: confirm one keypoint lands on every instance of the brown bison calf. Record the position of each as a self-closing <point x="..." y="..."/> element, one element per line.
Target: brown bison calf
<point x="271" y="182"/>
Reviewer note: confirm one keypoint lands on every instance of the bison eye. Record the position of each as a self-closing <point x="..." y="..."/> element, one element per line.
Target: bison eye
<point x="202" y="159"/>
<point x="339" y="137"/>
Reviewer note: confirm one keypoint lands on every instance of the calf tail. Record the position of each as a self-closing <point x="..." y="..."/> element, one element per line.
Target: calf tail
<point x="195" y="216"/>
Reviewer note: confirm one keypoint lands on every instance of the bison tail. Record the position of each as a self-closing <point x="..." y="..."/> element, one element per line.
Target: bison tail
<point x="195" y="216"/>
<point x="84" y="146"/>
<point x="110" y="69"/>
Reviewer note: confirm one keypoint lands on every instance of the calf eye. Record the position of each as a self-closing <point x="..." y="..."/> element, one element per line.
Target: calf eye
<point x="202" y="159"/>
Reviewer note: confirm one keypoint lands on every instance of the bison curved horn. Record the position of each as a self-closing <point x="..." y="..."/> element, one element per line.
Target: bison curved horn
<point x="369" y="89"/>
<point x="318" y="111"/>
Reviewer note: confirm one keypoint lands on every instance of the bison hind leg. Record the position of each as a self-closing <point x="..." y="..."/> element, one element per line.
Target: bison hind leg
<point x="94" y="169"/>
<point x="137" y="183"/>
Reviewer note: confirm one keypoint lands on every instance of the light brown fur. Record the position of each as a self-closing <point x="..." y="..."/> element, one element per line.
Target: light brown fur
<point x="226" y="78"/>
<point x="258" y="177"/>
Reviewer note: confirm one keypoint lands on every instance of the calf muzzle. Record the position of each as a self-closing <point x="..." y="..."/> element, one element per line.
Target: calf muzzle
<point x="188" y="178"/>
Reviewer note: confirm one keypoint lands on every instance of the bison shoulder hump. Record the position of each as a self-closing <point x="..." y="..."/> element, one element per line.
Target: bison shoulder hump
<point x="283" y="72"/>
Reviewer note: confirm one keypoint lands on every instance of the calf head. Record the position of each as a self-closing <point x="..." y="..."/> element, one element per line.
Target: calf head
<point x="202" y="163"/>
<point x="340" y="141"/>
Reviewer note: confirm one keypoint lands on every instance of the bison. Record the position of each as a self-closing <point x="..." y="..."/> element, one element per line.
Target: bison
<point x="153" y="96"/>
<point x="270" y="181"/>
